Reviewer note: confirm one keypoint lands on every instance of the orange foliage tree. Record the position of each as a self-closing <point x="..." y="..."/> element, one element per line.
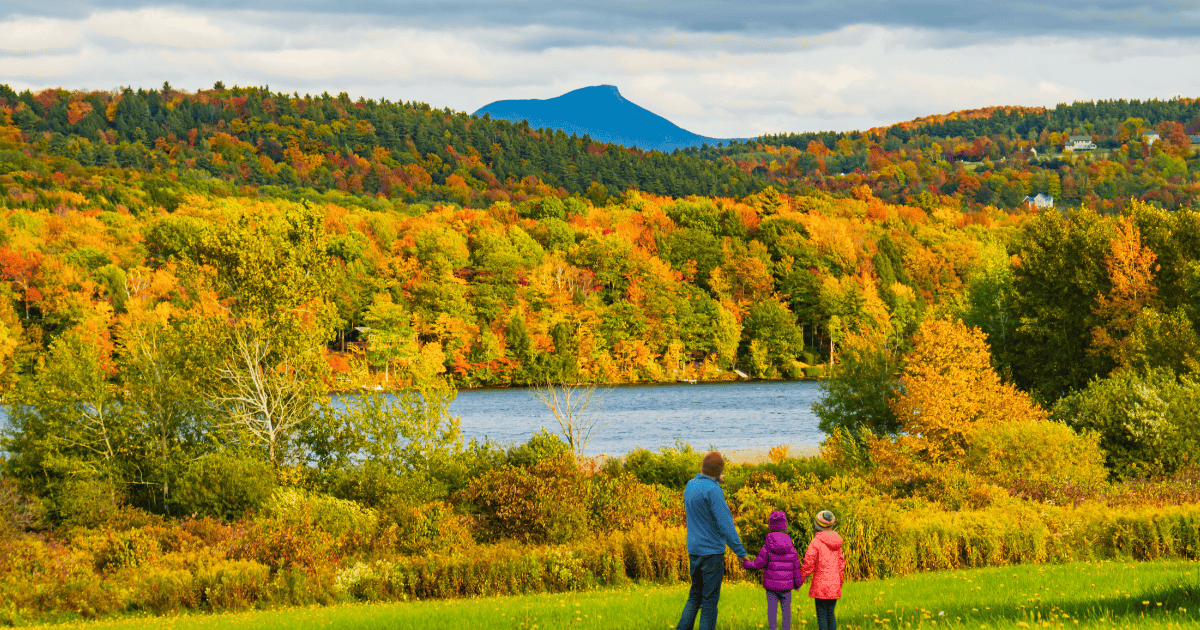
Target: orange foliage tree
<point x="949" y="390"/>
<point x="1131" y="270"/>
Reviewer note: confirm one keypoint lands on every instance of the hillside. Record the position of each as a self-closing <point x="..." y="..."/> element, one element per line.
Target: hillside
<point x="603" y="114"/>
<point x="412" y="153"/>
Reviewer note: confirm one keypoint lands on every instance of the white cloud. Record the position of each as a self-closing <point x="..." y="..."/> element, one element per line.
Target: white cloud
<point x="165" y="27"/>
<point x="323" y="63"/>
<point x="650" y="91"/>
<point x="37" y="35"/>
<point x="448" y="55"/>
<point x="42" y="66"/>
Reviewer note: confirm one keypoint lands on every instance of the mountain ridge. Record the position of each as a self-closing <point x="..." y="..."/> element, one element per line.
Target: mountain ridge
<point x="604" y="114"/>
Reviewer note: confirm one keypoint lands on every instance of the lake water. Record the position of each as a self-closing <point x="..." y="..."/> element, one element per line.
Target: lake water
<point x="718" y="415"/>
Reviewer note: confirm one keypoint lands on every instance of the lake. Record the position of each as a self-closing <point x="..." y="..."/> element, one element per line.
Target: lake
<point x="718" y="415"/>
<point x="735" y="415"/>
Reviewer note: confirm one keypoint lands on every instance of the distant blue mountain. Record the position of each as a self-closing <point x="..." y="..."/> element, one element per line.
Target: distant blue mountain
<point x="602" y="113"/>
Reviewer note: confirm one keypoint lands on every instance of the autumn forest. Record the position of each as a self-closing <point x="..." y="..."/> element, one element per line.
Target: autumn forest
<point x="187" y="275"/>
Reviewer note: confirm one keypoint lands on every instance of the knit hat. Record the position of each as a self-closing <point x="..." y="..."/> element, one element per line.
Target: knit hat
<point x="777" y="522"/>
<point x="713" y="465"/>
<point x="825" y="520"/>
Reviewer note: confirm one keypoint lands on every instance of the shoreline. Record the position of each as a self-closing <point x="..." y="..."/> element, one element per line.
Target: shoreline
<point x="744" y="455"/>
<point x="758" y="454"/>
<point x="781" y="379"/>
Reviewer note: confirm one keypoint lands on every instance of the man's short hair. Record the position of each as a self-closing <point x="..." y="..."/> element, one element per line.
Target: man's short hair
<point x="713" y="465"/>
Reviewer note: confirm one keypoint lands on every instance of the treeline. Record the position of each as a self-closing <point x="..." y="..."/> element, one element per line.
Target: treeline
<point x="406" y="150"/>
<point x="414" y="153"/>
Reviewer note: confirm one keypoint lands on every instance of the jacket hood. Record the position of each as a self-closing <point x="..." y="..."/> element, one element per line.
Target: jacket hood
<point x="777" y="522"/>
<point x="779" y="543"/>
<point x="830" y="539"/>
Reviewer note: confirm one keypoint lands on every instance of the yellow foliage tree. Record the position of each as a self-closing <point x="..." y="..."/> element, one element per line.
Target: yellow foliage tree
<point x="1131" y="268"/>
<point x="949" y="390"/>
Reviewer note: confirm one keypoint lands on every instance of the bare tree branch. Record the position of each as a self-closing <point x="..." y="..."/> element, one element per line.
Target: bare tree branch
<point x="573" y="407"/>
<point x="266" y="400"/>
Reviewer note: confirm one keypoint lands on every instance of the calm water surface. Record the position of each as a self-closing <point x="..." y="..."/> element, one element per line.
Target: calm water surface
<point x="720" y="415"/>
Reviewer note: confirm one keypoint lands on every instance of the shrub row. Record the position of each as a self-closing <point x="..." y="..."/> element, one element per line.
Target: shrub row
<point x="40" y="578"/>
<point x="887" y="537"/>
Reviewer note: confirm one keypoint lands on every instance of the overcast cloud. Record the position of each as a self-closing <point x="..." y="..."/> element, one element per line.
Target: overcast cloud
<point x="718" y="69"/>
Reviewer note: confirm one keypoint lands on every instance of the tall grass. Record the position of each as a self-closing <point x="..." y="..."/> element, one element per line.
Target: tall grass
<point x="887" y="537"/>
<point x="1106" y="594"/>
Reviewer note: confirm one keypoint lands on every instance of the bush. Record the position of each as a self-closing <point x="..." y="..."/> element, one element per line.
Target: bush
<point x="337" y="517"/>
<point x="164" y="589"/>
<point x="18" y="512"/>
<point x="800" y="471"/>
<point x="130" y="548"/>
<point x="672" y="466"/>
<point x="543" y="503"/>
<point x="1147" y="423"/>
<point x="304" y="529"/>
<point x="647" y="553"/>
<point x="424" y="528"/>
<point x="375" y="486"/>
<point x="224" y="487"/>
<point x="542" y="446"/>
<point x="1035" y="451"/>
<point x="232" y="584"/>
<point x="87" y="502"/>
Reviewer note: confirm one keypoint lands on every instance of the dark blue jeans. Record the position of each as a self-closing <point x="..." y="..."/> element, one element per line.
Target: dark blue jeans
<point x="825" y="618"/>
<point x="707" y="573"/>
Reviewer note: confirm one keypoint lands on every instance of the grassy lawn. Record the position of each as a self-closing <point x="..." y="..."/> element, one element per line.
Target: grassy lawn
<point x="1089" y="595"/>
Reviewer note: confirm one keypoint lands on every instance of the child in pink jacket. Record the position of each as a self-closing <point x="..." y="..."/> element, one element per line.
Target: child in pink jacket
<point x="778" y="556"/>
<point x="824" y="562"/>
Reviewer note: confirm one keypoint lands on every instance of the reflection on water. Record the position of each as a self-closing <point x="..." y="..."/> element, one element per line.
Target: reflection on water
<point x="720" y="415"/>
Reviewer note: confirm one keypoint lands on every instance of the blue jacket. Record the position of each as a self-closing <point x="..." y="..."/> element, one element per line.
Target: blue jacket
<point x="709" y="523"/>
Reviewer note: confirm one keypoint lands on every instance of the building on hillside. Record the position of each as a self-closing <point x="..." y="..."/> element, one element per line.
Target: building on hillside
<point x="1079" y="143"/>
<point x="1195" y="139"/>
<point x="1041" y="202"/>
<point x="1149" y="137"/>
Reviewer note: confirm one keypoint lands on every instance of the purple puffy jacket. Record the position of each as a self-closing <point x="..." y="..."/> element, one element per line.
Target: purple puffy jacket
<point x="778" y="555"/>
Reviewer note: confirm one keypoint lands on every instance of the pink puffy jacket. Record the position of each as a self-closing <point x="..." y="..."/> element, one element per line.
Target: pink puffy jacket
<point x="825" y="563"/>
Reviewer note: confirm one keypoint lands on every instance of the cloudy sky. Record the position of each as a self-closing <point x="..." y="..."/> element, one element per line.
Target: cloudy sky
<point x="721" y="69"/>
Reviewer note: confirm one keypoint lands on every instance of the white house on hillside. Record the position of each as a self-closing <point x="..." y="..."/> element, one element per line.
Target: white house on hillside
<point x="1079" y="143"/>
<point x="1041" y="202"/>
<point x="1150" y="137"/>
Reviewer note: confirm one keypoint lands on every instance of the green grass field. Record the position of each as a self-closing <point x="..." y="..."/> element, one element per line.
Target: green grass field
<point x="1085" y="595"/>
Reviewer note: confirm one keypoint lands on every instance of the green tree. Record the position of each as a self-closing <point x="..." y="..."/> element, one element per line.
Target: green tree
<point x="987" y="303"/>
<point x="1147" y="422"/>
<point x="273" y="270"/>
<point x="67" y="428"/>
<point x="774" y="328"/>
<point x="1055" y="284"/>
<point x="727" y="336"/>
<point x="856" y="397"/>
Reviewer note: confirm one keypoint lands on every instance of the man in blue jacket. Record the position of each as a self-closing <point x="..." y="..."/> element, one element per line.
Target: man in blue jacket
<point x="709" y="528"/>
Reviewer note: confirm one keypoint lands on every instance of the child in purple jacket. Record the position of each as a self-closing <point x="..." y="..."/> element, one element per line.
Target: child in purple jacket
<point x="778" y="555"/>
